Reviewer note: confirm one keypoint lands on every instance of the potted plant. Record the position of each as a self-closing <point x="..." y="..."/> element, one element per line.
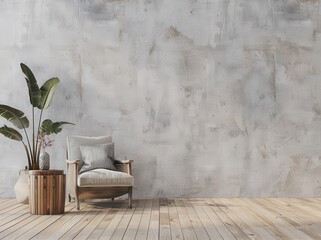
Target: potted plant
<point x="40" y="98"/>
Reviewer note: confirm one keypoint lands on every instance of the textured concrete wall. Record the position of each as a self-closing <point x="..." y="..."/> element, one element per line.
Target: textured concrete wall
<point x="211" y="98"/>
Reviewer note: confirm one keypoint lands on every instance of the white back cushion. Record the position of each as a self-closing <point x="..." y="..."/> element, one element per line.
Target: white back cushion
<point x="74" y="142"/>
<point x="97" y="156"/>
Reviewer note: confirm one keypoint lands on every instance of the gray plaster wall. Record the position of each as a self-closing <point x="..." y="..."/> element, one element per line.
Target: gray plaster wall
<point x="210" y="98"/>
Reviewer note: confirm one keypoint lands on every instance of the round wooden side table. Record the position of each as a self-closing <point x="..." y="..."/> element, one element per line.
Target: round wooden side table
<point x="47" y="192"/>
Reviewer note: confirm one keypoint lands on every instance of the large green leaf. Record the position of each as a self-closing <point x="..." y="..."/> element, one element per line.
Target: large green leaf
<point x="34" y="91"/>
<point x="49" y="127"/>
<point x="47" y="91"/>
<point x="10" y="133"/>
<point x="15" y="116"/>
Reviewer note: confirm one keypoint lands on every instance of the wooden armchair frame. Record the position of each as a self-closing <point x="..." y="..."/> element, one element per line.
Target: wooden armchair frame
<point x="76" y="192"/>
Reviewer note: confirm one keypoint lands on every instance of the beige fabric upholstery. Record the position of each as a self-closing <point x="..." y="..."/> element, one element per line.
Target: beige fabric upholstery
<point x="97" y="156"/>
<point x="104" y="178"/>
<point x="74" y="142"/>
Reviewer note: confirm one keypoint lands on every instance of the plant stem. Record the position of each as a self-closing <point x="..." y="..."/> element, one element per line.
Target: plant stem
<point x="27" y="139"/>
<point x="38" y="154"/>
<point x="24" y="129"/>
<point x="37" y="157"/>
<point x="28" y="155"/>
<point x="33" y="136"/>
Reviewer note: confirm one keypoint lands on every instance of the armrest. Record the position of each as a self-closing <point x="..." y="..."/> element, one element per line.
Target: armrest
<point x="124" y="165"/>
<point x="72" y="176"/>
<point x="72" y="161"/>
<point x="123" y="161"/>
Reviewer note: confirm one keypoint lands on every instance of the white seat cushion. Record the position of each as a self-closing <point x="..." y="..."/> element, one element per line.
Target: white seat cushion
<point x="104" y="178"/>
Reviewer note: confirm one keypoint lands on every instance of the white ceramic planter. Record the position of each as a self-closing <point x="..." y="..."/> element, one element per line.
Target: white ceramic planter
<point x="21" y="188"/>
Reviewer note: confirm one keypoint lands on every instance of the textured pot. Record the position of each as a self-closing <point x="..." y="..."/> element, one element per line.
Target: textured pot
<point x="44" y="161"/>
<point x="21" y="187"/>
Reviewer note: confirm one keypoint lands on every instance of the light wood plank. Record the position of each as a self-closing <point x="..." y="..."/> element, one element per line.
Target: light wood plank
<point x="186" y="226"/>
<point x="108" y="232"/>
<point x="98" y="231"/>
<point x="7" y="204"/>
<point x="123" y="224"/>
<point x="287" y="214"/>
<point x="14" y="220"/>
<point x="315" y="200"/>
<point x="57" y="225"/>
<point x="253" y="231"/>
<point x="30" y="233"/>
<point x="312" y="209"/>
<point x="222" y="229"/>
<point x="13" y="207"/>
<point x="143" y="227"/>
<point x="12" y="213"/>
<point x="196" y="223"/>
<point x="201" y="218"/>
<point x="132" y="228"/>
<point x="23" y="226"/>
<point x="153" y="231"/>
<point x="65" y="229"/>
<point x="176" y="231"/>
<point x="234" y="229"/>
<point x="256" y="222"/>
<point x="164" y="225"/>
<point x="305" y="213"/>
<point x="3" y="200"/>
<point x="315" y="206"/>
<point x="273" y="219"/>
<point x="207" y="224"/>
<point x="87" y="230"/>
<point x="81" y="224"/>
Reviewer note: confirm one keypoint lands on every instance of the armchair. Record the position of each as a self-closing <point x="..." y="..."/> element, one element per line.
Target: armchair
<point x="96" y="183"/>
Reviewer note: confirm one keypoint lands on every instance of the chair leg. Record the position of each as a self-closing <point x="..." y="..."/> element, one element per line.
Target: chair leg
<point x="69" y="198"/>
<point x="77" y="202"/>
<point x="130" y="197"/>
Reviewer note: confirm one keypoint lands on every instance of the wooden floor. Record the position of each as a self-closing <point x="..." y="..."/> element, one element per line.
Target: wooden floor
<point x="180" y="218"/>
